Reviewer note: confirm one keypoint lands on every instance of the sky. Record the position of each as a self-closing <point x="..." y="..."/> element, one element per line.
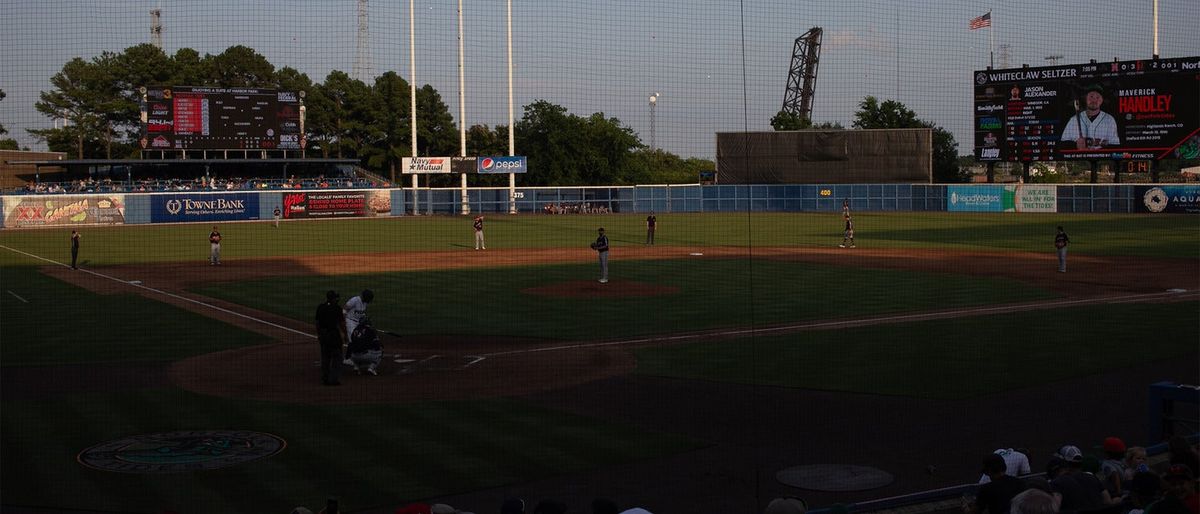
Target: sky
<point x="718" y="65"/>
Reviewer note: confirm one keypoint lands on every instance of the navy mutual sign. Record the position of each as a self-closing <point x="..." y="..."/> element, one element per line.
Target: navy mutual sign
<point x="1141" y="110"/>
<point x="183" y="451"/>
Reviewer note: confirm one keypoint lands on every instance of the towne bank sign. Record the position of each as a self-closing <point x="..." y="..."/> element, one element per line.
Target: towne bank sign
<point x="203" y="207"/>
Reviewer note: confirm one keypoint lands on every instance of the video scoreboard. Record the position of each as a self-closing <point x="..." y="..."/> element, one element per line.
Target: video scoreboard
<point x="213" y="118"/>
<point x="1136" y="110"/>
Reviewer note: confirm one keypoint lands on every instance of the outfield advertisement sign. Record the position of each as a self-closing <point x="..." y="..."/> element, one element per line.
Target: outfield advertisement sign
<point x="1002" y="198"/>
<point x="1176" y="199"/>
<point x="176" y="208"/>
<point x="337" y="204"/>
<point x="41" y="211"/>
<point x="425" y="165"/>
<point x="511" y="164"/>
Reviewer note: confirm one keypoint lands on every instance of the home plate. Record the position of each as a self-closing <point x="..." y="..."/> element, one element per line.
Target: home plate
<point x="1177" y="290"/>
<point x="696" y="253"/>
<point x="404" y="361"/>
<point x="135" y="282"/>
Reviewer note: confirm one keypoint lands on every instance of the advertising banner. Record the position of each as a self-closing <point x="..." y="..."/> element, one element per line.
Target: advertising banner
<point x="1037" y="198"/>
<point x="1175" y="199"/>
<point x="980" y="198"/>
<point x="40" y="211"/>
<point x="337" y="204"/>
<point x="425" y="165"/>
<point x="462" y="164"/>
<point x="1140" y="110"/>
<point x="501" y="164"/>
<point x="178" y="208"/>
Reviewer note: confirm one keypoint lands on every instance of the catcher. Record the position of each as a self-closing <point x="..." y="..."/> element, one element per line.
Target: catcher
<point x="364" y="349"/>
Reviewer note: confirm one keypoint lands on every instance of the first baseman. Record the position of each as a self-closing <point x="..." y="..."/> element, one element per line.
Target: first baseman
<point x="600" y="245"/>
<point x="214" y="241"/>
<point x="478" y="224"/>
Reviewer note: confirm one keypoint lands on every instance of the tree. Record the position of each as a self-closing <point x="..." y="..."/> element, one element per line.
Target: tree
<point x="80" y="96"/>
<point x="784" y="120"/>
<point x="436" y="132"/>
<point x="391" y="124"/>
<point x="239" y="66"/>
<point x="341" y="115"/>
<point x="892" y="114"/>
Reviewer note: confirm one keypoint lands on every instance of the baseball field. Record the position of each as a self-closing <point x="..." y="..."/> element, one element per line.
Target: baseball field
<point x="737" y="346"/>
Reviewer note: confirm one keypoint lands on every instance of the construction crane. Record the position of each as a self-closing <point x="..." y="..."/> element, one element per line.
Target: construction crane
<point x="802" y="75"/>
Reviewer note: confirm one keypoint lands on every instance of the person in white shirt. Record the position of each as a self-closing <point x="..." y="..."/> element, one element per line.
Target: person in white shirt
<point x="1092" y="127"/>
<point x="354" y="311"/>
<point x="1017" y="462"/>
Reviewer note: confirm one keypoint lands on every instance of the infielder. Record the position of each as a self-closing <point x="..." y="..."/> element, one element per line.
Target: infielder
<point x="277" y="214"/>
<point x="479" y="244"/>
<point x="354" y="311"/>
<point x="214" y="242"/>
<point x="600" y="245"/>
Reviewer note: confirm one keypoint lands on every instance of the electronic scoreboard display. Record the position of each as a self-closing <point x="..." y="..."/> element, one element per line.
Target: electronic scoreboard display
<point x="1137" y="110"/>
<point x="214" y="118"/>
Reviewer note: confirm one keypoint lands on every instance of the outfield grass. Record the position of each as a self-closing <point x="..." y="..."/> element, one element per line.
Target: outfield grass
<point x="959" y="358"/>
<point x="1098" y="234"/>
<point x="712" y="293"/>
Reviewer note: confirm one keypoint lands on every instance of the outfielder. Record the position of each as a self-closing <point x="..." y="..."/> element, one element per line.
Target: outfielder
<point x="848" y="235"/>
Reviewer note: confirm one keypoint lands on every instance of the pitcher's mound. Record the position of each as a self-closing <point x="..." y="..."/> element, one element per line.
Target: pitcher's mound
<point x="594" y="289"/>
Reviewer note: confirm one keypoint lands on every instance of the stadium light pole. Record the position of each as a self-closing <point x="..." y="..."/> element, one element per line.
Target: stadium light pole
<point x="1156" y="29"/>
<point x="412" y="94"/>
<point x="512" y="145"/>
<point x="462" y="108"/>
<point x="653" y="103"/>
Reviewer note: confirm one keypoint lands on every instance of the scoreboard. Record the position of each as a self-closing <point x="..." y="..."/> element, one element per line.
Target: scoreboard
<point x="213" y="118"/>
<point x="1137" y="110"/>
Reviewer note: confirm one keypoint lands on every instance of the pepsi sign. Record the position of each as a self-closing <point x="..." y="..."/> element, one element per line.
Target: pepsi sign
<point x="502" y="164"/>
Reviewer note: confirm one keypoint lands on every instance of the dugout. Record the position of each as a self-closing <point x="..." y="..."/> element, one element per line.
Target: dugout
<point x="874" y="156"/>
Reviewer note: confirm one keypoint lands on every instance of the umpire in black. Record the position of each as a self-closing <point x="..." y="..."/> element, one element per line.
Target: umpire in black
<point x="331" y="329"/>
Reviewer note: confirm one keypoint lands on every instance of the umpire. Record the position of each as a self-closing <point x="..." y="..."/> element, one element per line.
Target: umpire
<point x="331" y="329"/>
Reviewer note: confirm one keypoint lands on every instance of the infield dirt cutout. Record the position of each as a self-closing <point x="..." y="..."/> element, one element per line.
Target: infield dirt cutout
<point x="458" y="367"/>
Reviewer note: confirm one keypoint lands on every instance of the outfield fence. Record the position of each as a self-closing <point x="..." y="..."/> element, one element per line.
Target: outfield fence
<point x="199" y="206"/>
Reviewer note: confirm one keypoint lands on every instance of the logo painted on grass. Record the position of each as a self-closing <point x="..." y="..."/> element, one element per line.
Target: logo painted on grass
<point x="180" y="452"/>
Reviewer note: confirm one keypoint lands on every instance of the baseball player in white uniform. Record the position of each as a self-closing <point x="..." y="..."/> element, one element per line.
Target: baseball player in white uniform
<point x="354" y="311"/>
<point x="1092" y="127"/>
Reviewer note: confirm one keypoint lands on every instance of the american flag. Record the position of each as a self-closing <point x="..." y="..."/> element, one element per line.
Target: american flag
<point x="981" y="21"/>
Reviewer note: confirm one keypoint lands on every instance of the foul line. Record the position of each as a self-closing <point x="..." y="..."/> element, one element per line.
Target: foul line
<point x="15" y="295"/>
<point x="165" y="293"/>
<point x="925" y="316"/>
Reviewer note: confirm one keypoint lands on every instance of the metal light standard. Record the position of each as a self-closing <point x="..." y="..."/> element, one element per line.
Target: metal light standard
<point x="653" y="103"/>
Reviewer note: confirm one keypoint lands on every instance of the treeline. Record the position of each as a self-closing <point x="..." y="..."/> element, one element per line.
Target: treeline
<point x="347" y="118"/>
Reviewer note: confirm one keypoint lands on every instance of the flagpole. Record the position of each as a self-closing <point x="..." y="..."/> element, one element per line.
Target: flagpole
<point x="992" y="38"/>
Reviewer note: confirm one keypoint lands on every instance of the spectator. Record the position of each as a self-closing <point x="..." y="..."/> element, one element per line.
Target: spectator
<point x="1034" y="501"/>
<point x="1144" y="489"/>
<point x="1135" y="461"/>
<point x="1080" y="491"/>
<point x="995" y="496"/>
<point x="1183" y="453"/>
<point x="1016" y="460"/>
<point x="786" y="505"/>
<point x="1181" y="485"/>
<point x="1112" y="470"/>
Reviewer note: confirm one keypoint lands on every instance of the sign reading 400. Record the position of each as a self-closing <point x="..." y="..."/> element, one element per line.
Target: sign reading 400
<point x="171" y="208"/>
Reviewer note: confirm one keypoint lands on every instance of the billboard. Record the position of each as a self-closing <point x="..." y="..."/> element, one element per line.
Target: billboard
<point x="1146" y="109"/>
<point x="1176" y="199"/>
<point x="337" y="204"/>
<point x="425" y="165"/>
<point x="1002" y="198"/>
<point x="865" y="156"/>
<point x="181" y="208"/>
<point x="219" y="118"/>
<point x="41" y="211"/>
<point x="503" y="164"/>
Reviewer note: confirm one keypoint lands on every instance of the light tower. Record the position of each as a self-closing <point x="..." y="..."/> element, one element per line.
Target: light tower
<point x="653" y="103"/>
<point x="362" y="59"/>
<point x="156" y="28"/>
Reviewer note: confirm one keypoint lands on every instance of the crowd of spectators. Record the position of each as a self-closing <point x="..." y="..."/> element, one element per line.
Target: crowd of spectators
<point x="575" y="208"/>
<point x="1114" y="480"/>
<point x="150" y="185"/>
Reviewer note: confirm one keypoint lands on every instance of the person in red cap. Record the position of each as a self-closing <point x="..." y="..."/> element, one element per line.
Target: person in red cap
<point x="1112" y="469"/>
